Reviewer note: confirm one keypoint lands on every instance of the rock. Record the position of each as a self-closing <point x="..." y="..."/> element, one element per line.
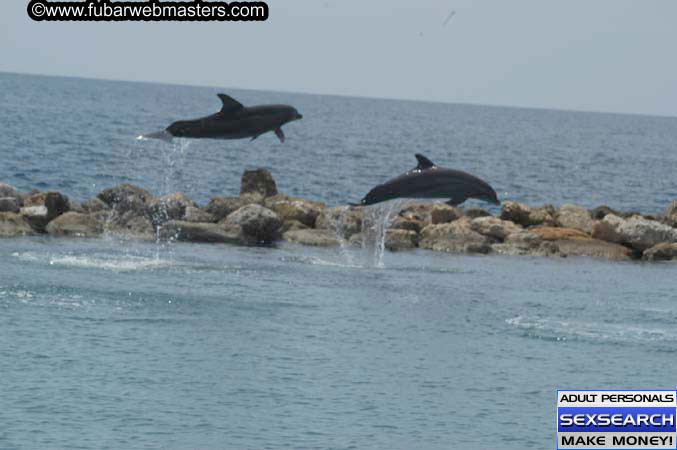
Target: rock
<point x="10" y="204"/>
<point x="9" y="191"/>
<point x="94" y="205"/>
<point x="494" y="227"/>
<point x="397" y="240"/>
<point x="671" y="214"/>
<point x="36" y="217"/>
<point x="357" y="240"/>
<point x="342" y="220"/>
<point x="12" y="224"/>
<point x="317" y="238"/>
<point x="554" y="233"/>
<point x="572" y="216"/>
<point x="474" y="213"/>
<point x="75" y="224"/>
<point x="601" y="212"/>
<point x="197" y="215"/>
<point x="527" y="216"/>
<point x="661" y="252"/>
<point x="455" y="237"/>
<point x="292" y="225"/>
<point x="127" y="197"/>
<point x="443" y="213"/>
<point x="258" y="181"/>
<point x="54" y="202"/>
<point x="419" y="211"/>
<point x="201" y="232"/>
<point x="637" y="232"/>
<point x="221" y="207"/>
<point x="170" y="207"/>
<point x="260" y="225"/>
<point x="404" y="223"/>
<point x="593" y="248"/>
<point x="290" y="208"/>
<point x="129" y="225"/>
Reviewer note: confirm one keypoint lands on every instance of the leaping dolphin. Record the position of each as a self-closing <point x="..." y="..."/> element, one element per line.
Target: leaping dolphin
<point x="234" y="121"/>
<point x="430" y="181"/>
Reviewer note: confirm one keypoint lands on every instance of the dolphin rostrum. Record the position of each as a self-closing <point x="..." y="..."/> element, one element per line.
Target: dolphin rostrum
<point x="234" y="121"/>
<point x="430" y="181"/>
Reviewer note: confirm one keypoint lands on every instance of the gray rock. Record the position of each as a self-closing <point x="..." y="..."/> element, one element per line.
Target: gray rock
<point x="661" y="252"/>
<point x="10" y="204"/>
<point x="601" y="212"/>
<point x="127" y="197"/>
<point x="12" y="224"/>
<point x="258" y="181"/>
<point x="197" y="215"/>
<point x="129" y="225"/>
<point x="527" y="216"/>
<point x="259" y="225"/>
<point x="94" y="205"/>
<point x="408" y="223"/>
<point x="637" y="232"/>
<point x="577" y="217"/>
<point x="170" y="207"/>
<point x="290" y="208"/>
<point x="342" y="220"/>
<point x="9" y="191"/>
<point x="443" y="213"/>
<point x="474" y="213"/>
<point x="222" y="207"/>
<point x="398" y="240"/>
<point x="36" y="217"/>
<point x="593" y="248"/>
<point x="75" y="224"/>
<point x="494" y="227"/>
<point x="292" y="225"/>
<point x="316" y="238"/>
<point x="201" y="232"/>
<point x="455" y="237"/>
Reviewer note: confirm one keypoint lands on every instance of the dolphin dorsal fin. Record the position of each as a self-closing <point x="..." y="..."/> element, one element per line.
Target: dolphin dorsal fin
<point x="229" y="104"/>
<point x="423" y="162"/>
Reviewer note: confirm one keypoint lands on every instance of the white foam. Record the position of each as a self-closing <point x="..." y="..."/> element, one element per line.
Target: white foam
<point x="124" y="264"/>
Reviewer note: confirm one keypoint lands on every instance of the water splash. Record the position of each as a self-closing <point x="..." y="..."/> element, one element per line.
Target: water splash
<point x="376" y="220"/>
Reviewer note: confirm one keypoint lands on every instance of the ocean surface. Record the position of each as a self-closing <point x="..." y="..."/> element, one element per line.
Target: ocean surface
<point x="108" y="344"/>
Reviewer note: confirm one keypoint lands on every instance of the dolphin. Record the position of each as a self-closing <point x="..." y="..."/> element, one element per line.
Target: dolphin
<point x="234" y="121"/>
<point x="430" y="181"/>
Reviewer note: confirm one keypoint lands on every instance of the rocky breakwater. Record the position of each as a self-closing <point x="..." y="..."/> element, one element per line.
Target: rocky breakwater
<point x="260" y="215"/>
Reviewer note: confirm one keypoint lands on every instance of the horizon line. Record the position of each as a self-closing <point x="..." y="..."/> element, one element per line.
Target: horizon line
<point x="365" y="97"/>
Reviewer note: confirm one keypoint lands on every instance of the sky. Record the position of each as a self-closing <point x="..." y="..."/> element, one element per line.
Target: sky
<point x="593" y="55"/>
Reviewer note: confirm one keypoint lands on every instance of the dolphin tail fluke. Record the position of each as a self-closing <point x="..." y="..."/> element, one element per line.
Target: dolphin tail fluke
<point x="162" y="135"/>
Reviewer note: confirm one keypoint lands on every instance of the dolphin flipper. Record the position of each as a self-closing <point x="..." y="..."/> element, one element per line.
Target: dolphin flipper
<point x="280" y="134"/>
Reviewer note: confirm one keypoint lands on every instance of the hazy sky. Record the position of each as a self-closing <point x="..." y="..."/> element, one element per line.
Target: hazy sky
<point x="602" y="55"/>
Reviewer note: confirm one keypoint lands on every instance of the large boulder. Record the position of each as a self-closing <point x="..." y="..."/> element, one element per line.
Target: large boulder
<point x="577" y="217"/>
<point x="593" y="248"/>
<point x="129" y="225"/>
<point x="222" y="207"/>
<point x="201" y="232"/>
<point x="36" y="217"/>
<point x="455" y="237"/>
<point x="494" y="227"/>
<point x="316" y="238"/>
<point x="12" y="224"/>
<point x="170" y="207"/>
<point x="342" y="220"/>
<point x="408" y="223"/>
<point x="671" y="214"/>
<point x="637" y="232"/>
<point x="601" y="212"/>
<point x="290" y="208"/>
<point x="259" y="225"/>
<point x="527" y="216"/>
<point x="443" y="213"/>
<point x="197" y="215"/>
<point x="76" y="224"/>
<point x="474" y="213"/>
<point x="258" y="181"/>
<point x="9" y="191"/>
<point x="397" y="240"/>
<point x="661" y="252"/>
<point x="431" y="212"/>
<point x="93" y="205"/>
<point x="10" y="204"/>
<point x="127" y="197"/>
<point x="42" y="207"/>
